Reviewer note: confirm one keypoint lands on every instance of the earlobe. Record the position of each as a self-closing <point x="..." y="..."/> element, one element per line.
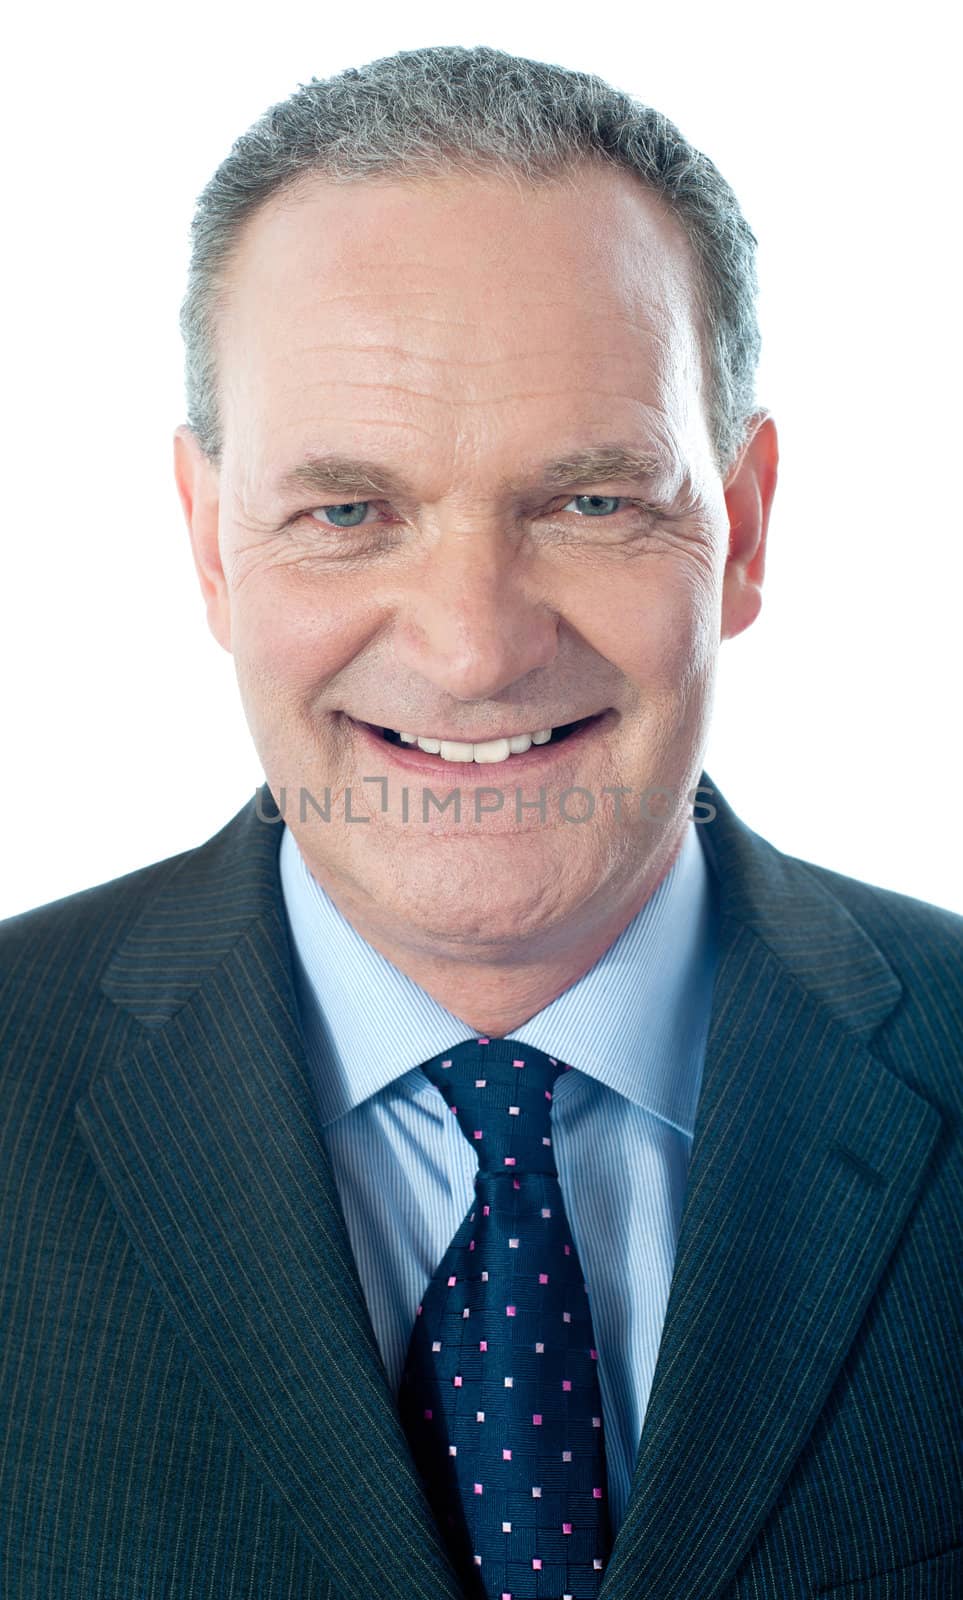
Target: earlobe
<point x="749" y="491"/>
<point x="198" y="488"/>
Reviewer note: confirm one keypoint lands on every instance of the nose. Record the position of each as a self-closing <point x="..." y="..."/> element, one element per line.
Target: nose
<point x="470" y="621"/>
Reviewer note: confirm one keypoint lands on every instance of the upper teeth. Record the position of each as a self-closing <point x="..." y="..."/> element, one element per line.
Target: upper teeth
<point x="489" y="750"/>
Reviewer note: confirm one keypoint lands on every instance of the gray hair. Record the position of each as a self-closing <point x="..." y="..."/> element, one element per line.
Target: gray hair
<point x="445" y="108"/>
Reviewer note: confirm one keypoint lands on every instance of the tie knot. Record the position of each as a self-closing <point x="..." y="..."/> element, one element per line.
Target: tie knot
<point x="501" y="1093"/>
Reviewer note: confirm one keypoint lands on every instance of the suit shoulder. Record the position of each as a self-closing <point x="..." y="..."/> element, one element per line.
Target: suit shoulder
<point x="87" y="908"/>
<point x="65" y="944"/>
<point x="887" y="913"/>
<point x="923" y="945"/>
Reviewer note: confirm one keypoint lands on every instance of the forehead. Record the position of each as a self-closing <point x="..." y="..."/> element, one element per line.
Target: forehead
<point x="454" y="314"/>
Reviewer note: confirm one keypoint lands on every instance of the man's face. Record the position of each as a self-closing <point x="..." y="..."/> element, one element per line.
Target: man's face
<point x="534" y="532"/>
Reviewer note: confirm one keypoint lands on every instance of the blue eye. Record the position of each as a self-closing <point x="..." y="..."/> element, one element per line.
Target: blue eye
<point x="595" y="505"/>
<point x="348" y="515"/>
<point x="352" y="513"/>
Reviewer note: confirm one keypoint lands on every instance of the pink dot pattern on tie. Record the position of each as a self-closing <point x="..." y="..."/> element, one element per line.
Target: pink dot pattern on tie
<point x="502" y="1353"/>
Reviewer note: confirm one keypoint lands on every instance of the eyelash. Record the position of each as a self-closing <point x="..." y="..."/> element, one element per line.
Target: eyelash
<point x="625" y="502"/>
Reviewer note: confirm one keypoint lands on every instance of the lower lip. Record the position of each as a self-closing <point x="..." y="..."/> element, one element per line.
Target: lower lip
<point x="539" y="759"/>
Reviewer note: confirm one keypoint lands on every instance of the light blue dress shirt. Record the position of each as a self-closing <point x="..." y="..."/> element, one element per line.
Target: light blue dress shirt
<point x="633" y="1027"/>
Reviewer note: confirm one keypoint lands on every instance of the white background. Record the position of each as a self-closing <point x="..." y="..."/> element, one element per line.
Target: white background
<point x="836" y="732"/>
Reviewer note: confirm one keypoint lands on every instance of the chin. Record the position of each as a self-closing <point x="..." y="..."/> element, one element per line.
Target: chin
<point x="477" y="886"/>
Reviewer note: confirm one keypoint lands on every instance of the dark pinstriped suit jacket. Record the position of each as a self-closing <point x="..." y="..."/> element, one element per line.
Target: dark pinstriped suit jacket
<point x="193" y="1403"/>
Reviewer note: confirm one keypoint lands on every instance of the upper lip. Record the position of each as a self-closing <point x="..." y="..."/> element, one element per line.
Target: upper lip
<point x="422" y="731"/>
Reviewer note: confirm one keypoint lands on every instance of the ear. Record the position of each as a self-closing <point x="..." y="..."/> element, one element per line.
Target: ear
<point x="749" y="489"/>
<point x="198" y="485"/>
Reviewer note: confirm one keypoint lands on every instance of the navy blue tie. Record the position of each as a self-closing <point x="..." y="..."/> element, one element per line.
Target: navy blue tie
<point x="500" y="1394"/>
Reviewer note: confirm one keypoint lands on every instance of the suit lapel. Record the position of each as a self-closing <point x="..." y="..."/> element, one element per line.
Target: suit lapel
<point x="205" y="1137"/>
<point x="807" y="1156"/>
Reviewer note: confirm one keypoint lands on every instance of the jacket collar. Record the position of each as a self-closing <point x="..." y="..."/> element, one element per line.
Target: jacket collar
<point x="807" y="1156"/>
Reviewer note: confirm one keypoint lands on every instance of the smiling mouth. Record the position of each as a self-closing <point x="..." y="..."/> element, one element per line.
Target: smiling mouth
<point x="557" y="734"/>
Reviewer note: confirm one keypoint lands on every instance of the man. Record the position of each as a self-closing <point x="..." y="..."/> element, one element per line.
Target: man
<point x="485" y="1167"/>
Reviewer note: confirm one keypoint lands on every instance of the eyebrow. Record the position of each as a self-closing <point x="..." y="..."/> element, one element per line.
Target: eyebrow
<point x="336" y="474"/>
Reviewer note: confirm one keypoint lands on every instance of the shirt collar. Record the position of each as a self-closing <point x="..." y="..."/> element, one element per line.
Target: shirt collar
<point x="636" y="1021"/>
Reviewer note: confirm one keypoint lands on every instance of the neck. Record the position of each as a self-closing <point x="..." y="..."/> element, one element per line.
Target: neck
<point x="497" y="988"/>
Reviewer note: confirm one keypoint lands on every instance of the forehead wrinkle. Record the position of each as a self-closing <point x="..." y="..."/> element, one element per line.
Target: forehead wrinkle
<point x="644" y="278"/>
<point x="637" y="321"/>
<point x="460" y="402"/>
<point x="454" y="360"/>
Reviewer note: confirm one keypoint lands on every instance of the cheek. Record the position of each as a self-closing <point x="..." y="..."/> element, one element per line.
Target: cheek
<point x="663" y="633"/>
<point x="290" y="638"/>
